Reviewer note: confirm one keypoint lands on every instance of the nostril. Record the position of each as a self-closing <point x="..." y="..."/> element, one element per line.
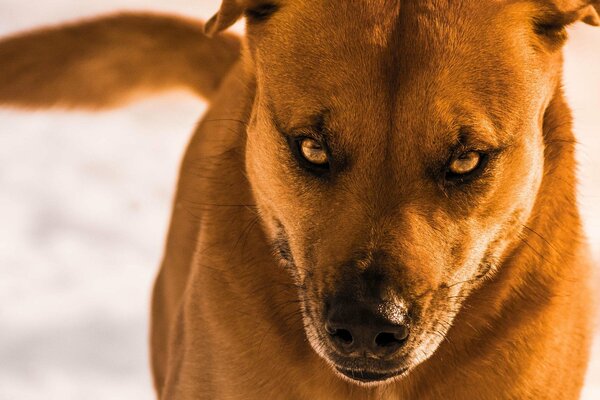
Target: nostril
<point x="387" y="339"/>
<point x="342" y="335"/>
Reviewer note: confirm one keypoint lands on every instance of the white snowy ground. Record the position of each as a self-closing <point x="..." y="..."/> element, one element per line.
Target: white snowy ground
<point x="84" y="206"/>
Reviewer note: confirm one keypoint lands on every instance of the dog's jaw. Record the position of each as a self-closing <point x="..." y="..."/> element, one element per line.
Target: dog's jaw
<point x="446" y="300"/>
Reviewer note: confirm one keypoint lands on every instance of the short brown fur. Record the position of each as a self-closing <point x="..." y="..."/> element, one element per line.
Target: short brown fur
<point x="495" y="272"/>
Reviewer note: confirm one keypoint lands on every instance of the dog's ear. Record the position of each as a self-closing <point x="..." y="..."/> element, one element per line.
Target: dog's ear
<point x="233" y="10"/>
<point x="591" y="14"/>
<point x="571" y="11"/>
<point x="588" y="12"/>
<point x="228" y="14"/>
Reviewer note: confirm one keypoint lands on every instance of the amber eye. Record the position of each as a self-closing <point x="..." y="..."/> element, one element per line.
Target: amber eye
<point x="465" y="163"/>
<point x="313" y="152"/>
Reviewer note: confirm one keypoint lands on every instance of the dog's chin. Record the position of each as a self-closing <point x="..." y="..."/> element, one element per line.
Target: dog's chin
<point x="369" y="371"/>
<point x="370" y="378"/>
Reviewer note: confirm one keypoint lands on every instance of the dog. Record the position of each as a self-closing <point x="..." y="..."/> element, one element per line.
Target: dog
<point x="379" y="204"/>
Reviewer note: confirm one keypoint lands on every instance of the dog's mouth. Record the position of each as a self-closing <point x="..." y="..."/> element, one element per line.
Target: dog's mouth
<point x="360" y="366"/>
<point x="365" y="344"/>
<point x="367" y="369"/>
<point x="372" y="366"/>
<point x="367" y="376"/>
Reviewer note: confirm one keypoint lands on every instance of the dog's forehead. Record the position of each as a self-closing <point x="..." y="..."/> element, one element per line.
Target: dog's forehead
<point x="369" y="59"/>
<point x="368" y="27"/>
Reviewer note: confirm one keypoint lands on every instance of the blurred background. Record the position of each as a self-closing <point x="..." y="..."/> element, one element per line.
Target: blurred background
<point x="84" y="206"/>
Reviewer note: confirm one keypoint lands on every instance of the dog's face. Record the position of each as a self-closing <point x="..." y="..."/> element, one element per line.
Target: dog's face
<point x="395" y="151"/>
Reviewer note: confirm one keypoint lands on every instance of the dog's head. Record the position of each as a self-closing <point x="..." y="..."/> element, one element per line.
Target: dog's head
<point x="395" y="151"/>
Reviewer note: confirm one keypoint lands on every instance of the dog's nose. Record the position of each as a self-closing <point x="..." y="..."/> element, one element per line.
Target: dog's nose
<point x="357" y="329"/>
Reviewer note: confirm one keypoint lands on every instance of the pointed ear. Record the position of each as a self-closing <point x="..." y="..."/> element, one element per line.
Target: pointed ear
<point x="232" y="10"/>
<point x="571" y="11"/>
<point x="229" y="13"/>
<point x="590" y="13"/>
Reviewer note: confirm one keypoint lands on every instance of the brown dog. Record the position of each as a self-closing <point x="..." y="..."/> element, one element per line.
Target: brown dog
<point x="411" y="164"/>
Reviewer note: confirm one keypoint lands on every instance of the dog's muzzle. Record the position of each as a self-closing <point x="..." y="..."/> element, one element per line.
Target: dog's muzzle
<point x="366" y="338"/>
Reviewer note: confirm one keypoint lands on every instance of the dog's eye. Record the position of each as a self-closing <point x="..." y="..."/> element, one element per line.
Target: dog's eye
<point x="260" y="13"/>
<point x="554" y="32"/>
<point x="313" y="152"/>
<point x="465" y="165"/>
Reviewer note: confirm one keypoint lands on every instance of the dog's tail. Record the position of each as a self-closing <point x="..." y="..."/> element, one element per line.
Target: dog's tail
<point x="104" y="62"/>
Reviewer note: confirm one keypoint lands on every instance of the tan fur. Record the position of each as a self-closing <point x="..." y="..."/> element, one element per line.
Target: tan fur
<point x="104" y="62"/>
<point x="497" y="272"/>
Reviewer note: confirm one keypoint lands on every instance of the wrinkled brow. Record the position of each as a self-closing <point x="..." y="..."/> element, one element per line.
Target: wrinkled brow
<point x="315" y="122"/>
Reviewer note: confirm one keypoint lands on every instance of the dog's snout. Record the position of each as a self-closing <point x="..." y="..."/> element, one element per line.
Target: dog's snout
<point x="358" y="329"/>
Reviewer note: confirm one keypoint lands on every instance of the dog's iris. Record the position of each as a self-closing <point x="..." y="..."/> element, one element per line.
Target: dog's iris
<point x="465" y="163"/>
<point x="313" y="151"/>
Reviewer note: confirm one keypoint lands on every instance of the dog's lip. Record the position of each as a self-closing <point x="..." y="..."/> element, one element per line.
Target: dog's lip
<point x="367" y="376"/>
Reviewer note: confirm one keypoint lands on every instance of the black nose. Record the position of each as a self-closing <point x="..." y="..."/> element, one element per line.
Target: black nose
<point x="359" y="329"/>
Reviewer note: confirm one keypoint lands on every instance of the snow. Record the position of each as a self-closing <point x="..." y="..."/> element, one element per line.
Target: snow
<point x="84" y="204"/>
